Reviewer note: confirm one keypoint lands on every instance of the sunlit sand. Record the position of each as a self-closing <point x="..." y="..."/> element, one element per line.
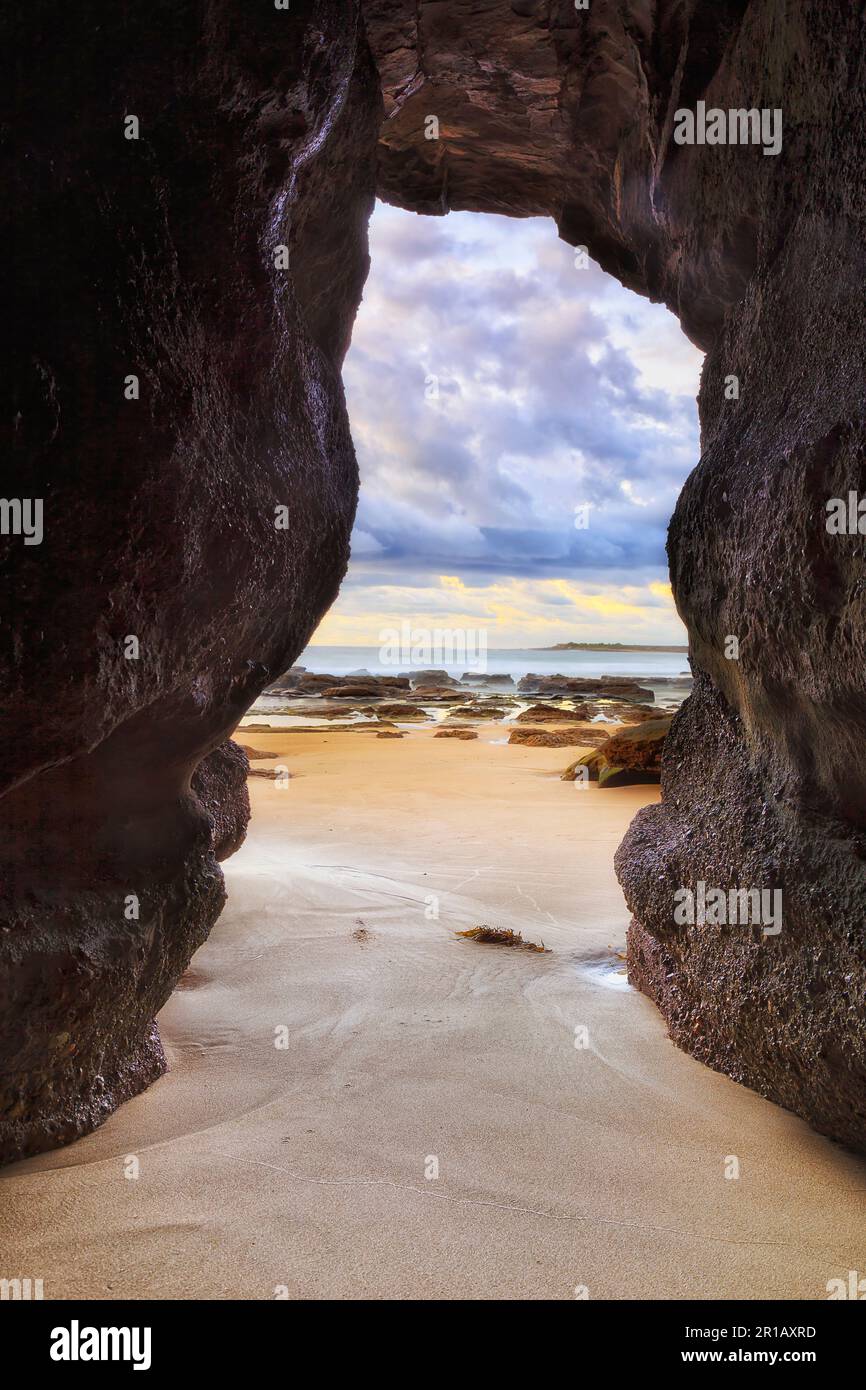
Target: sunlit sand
<point x="363" y="1105"/>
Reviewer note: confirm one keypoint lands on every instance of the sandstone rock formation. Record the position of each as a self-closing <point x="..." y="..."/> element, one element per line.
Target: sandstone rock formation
<point x="338" y="687"/>
<point x="480" y="711"/>
<point x="174" y="398"/>
<point x="626" y="758"/>
<point x="437" y="694"/>
<point x="354" y="691"/>
<point x="435" y="679"/>
<point x="598" y="687"/>
<point x="577" y="737"/>
<point x="553" y="714"/>
<point x="220" y="784"/>
<point x="495" y="682"/>
<point x="545" y="110"/>
<point x="402" y="712"/>
<point x="632" y="714"/>
<point x="157" y="258"/>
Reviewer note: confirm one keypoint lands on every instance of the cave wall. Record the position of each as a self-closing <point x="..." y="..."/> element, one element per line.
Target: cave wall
<point x="764" y="781"/>
<point x="260" y="128"/>
<point x="543" y="109"/>
<point x="154" y="257"/>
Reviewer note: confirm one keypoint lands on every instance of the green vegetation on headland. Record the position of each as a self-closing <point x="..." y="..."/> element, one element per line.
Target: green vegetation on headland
<point x="605" y="647"/>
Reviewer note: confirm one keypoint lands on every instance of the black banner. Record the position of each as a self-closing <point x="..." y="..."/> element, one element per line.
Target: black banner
<point x="67" y="1338"/>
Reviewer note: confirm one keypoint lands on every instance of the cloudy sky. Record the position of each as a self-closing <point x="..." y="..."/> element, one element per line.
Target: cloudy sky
<point x="523" y="427"/>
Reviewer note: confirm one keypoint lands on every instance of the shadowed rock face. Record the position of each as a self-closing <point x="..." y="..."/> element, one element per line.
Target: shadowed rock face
<point x="545" y="110"/>
<point x="155" y="257"/>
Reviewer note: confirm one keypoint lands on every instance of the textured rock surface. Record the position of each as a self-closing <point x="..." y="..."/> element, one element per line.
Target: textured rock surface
<point x="403" y="713"/>
<point x="640" y="748"/>
<point x="557" y="738"/>
<point x="154" y="257"/>
<point x="545" y="110"/>
<point x="625" y="759"/>
<point x="220" y="783"/>
<point x="552" y="714"/>
<point x="598" y="687"/>
<point x="480" y="711"/>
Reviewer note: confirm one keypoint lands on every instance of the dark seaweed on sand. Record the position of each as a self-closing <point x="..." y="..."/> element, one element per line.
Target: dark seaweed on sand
<point x="498" y="936"/>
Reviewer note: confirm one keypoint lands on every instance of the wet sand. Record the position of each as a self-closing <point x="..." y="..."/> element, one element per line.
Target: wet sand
<point x="303" y="1170"/>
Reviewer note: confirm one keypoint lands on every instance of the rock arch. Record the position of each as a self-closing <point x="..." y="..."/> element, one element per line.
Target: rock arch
<point x="260" y="128"/>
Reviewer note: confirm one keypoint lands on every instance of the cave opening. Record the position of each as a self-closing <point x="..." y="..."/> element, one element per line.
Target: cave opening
<point x="523" y="425"/>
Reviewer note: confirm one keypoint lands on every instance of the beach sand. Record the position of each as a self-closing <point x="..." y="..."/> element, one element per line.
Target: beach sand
<point x="304" y="1169"/>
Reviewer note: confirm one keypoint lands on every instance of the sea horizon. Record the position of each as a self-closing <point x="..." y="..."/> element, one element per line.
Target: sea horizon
<point x="350" y="659"/>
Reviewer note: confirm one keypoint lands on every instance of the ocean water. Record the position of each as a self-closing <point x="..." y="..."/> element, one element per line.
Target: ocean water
<point x="516" y="662"/>
<point x="665" y="673"/>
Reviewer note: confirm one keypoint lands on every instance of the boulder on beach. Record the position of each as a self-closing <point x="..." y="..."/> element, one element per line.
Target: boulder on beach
<point x="475" y="678"/>
<point x="428" y="678"/>
<point x="630" y="713"/>
<point x="311" y="683"/>
<point x="552" y="714"/>
<point x="478" y="712"/>
<point x="629" y="757"/>
<point x="558" y="738"/>
<point x="341" y="687"/>
<point x="617" y="687"/>
<point x="342" y="711"/>
<point x="287" y="681"/>
<point x="352" y="690"/>
<point x="436" y="692"/>
<point x="455" y="733"/>
<point x="389" y="733"/>
<point x="400" y="711"/>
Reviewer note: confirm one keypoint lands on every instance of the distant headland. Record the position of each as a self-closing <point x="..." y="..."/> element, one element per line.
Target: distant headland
<point x="605" y="647"/>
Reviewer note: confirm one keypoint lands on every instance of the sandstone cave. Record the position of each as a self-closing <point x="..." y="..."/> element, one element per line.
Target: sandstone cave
<point x="262" y="127"/>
